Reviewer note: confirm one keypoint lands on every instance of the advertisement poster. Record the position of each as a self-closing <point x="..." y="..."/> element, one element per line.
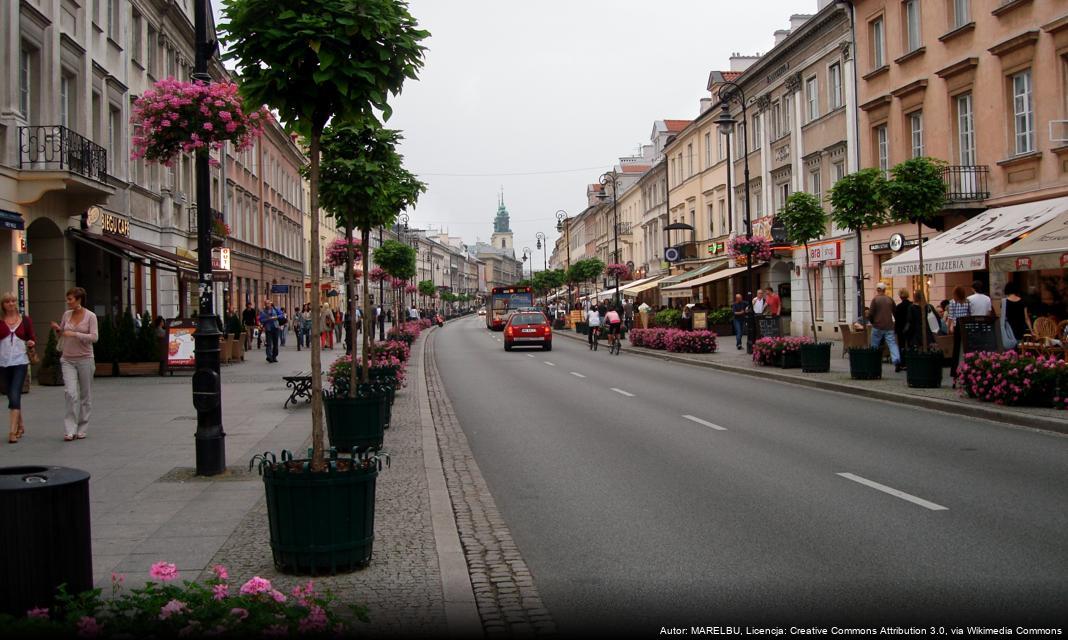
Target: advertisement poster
<point x="180" y="345"/>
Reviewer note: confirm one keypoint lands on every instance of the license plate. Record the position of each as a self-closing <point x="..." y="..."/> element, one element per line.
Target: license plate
<point x="530" y="330"/>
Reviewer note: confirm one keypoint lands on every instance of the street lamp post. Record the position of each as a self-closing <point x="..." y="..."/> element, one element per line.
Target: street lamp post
<point x="526" y="256"/>
<point x="613" y="176"/>
<point x="561" y="216"/>
<point x="543" y="244"/>
<point x="726" y="124"/>
<point x="381" y="299"/>
<point x="207" y="385"/>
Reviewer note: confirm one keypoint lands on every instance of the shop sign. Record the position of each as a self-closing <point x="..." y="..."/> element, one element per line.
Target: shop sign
<point x="22" y="295"/>
<point x="220" y="259"/>
<point x="824" y="252"/>
<point x="717" y="248"/>
<point x="1024" y="264"/>
<point x="112" y="224"/>
<point x="897" y="242"/>
<point x="181" y="347"/>
<point x="1064" y="260"/>
<point x="279" y="288"/>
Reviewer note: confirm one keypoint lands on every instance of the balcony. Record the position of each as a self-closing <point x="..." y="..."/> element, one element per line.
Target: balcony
<point x="54" y="158"/>
<point x="966" y="184"/>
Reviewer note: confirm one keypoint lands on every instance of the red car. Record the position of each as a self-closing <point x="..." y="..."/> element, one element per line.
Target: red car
<point x="528" y="328"/>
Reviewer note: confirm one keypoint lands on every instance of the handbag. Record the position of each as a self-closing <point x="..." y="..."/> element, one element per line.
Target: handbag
<point x="932" y="320"/>
<point x="31" y="353"/>
<point x="1008" y="338"/>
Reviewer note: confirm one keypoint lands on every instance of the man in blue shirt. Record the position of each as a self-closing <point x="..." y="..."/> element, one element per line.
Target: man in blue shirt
<point x="269" y="322"/>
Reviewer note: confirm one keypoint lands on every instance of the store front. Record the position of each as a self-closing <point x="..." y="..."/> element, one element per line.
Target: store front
<point x="1038" y="264"/>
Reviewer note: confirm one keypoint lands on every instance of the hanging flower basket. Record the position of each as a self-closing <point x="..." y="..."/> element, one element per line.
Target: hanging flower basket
<point x="411" y="289"/>
<point x="617" y="271"/>
<point x="338" y="249"/>
<point x="378" y="274"/>
<point x="756" y="248"/>
<point x="398" y="283"/>
<point x="182" y="117"/>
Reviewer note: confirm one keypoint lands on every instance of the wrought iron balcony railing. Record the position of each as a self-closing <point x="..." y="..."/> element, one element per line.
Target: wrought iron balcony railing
<point x="967" y="183"/>
<point x="48" y="148"/>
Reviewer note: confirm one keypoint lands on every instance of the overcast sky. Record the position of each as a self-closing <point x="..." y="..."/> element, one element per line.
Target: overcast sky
<point x="540" y="98"/>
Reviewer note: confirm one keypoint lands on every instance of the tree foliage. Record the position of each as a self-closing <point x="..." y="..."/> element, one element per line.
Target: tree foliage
<point x="427" y="288"/>
<point x="585" y="270"/>
<point x="858" y="200"/>
<point x="397" y="259"/>
<point x="804" y="220"/>
<point x="546" y="281"/>
<point x="916" y="191"/>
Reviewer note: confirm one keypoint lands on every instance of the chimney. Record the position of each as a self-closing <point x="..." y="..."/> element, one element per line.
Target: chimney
<point x="740" y="62"/>
<point x="798" y="19"/>
<point x="781" y="35"/>
<point x="706" y="104"/>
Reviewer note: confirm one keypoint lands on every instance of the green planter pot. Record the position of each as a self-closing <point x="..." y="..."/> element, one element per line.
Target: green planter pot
<point x="923" y="369"/>
<point x="320" y="523"/>
<point x="356" y="422"/>
<point x="788" y="360"/>
<point x="865" y="364"/>
<point x="816" y="358"/>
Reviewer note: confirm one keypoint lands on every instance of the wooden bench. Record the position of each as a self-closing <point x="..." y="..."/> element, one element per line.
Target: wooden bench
<point x="301" y="384"/>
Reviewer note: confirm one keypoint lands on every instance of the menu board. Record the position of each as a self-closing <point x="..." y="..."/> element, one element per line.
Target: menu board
<point x="576" y="316"/>
<point x="180" y="345"/>
<point x="700" y="320"/>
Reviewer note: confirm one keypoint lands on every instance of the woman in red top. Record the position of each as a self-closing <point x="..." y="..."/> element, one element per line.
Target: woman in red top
<point x="16" y="336"/>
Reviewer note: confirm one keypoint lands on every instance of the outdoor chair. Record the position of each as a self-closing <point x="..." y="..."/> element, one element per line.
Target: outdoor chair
<point x="1045" y="339"/>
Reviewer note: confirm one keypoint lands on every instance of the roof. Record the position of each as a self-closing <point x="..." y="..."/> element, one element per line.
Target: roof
<point x="731" y="75"/>
<point x="635" y="168"/>
<point x="674" y="126"/>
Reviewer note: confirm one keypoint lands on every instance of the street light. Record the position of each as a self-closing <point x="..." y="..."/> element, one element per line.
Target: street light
<point x="604" y="180"/>
<point x="561" y="225"/>
<point x="526" y="256"/>
<point x="726" y="124"/>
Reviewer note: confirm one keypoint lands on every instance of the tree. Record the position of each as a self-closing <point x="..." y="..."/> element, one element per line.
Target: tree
<point x="858" y="202"/>
<point x="398" y="260"/>
<point x="585" y="270"/>
<point x="804" y="221"/>
<point x="364" y="186"/>
<point x="917" y="193"/>
<point x="314" y="60"/>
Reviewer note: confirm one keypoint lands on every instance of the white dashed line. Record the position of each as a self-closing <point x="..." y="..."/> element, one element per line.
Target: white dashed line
<point x="623" y="393"/>
<point x="577" y="374"/>
<point x="894" y="492"/>
<point x="705" y="423"/>
<point x="550" y="363"/>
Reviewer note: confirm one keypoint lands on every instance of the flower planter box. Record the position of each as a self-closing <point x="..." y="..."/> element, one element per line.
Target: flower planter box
<point x="788" y="360"/>
<point x="320" y="523"/>
<point x="102" y="370"/>
<point x="237" y="349"/>
<point x="225" y="350"/>
<point x="50" y="377"/>
<point x="127" y="369"/>
<point x="923" y="369"/>
<point x="865" y="364"/>
<point x="816" y="358"/>
<point x="356" y="423"/>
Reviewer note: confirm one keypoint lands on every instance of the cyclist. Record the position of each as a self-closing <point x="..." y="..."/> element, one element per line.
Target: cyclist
<point x="593" y="321"/>
<point x="614" y="323"/>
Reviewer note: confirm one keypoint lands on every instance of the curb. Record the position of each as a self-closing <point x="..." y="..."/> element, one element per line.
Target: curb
<point x="972" y="411"/>
<point x="461" y="611"/>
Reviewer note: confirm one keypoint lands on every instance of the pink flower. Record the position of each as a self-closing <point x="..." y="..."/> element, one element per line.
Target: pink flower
<point x="278" y="596"/>
<point x="164" y="571"/>
<point x="220" y="572"/>
<point x="256" y="585"/>
<point x="88" y="627"/>
<point x="220" y="591"/>
<point x="208" y="126"/>
<point x="38" y="612"/>
<point x="315" y="620"/>
<point x="239" y="613"/>
<point x="172" y="608"/>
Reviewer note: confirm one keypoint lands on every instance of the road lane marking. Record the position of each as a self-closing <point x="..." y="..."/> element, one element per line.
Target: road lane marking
<point x="577" y="374"/>
<point x="623" y="393"/>
<point x="530" y="355"/>
<point x="705" y="423"/>
<point x="550" y="363"/>
<point x="894" y="492"/>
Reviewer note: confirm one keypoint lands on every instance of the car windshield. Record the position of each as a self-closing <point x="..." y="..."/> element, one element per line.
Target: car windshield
<point x="528" y="318"/>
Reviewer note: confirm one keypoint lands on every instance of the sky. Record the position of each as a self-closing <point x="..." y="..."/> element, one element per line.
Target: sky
<point x="539" y="98"/>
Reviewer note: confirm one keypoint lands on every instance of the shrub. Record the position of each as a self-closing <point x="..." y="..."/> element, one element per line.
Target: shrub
<point x="395" y="348"/>
<point x="147" y="348"/>
<point x="403" y="333"/>
<point x="679" y="341"/>
<point x="383" y="368"/>
<point x="125" y="344"/>
<point x="1012" y="379"/>
<point x="668" y="318"/>
<point x="723" y="315"/>
<point x="104" y="348"/>
<point x="767" y="350"/>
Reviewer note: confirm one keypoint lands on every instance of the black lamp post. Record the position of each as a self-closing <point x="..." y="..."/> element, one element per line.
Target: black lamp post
<point x="543" y="244"/>
<point x="526" y="256"/>
<point x="732" y="92"/>
<point x="563" y="224"/>
<point x="613" y="177"/>
<point x="207" y="385"/>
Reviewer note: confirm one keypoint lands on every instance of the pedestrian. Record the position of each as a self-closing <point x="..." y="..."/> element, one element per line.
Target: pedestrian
<point x="298" y="326"/>
<point x="160" y="327"/>
<point x="959" y="307"/>
<point x="979" y="302"/>
<point x="760" y="303"/>
<point x="943" y="317"/>
<point x="283" y="325"/>
<point x="17" y="342"/>
<point x="1015" y="317"/>
<point x="774" y="307"/>
<point x="903" y="328"/>
<point x="628" y="314"/>
<point x="593" y="323"/>
<point x="739" y="309"/>
<point x="307" y="325"/>
<point x="413" y="313"/>
<point x="338" y="325"/>
<point x="77" y="332"/>
<point x="269" y="326"/>
<point x="921" y="318"/>
<point x="882" y="324"/>
<point x="248" y="319"/>
<point x="326" y="327"/>
<point x="380" y="319"/>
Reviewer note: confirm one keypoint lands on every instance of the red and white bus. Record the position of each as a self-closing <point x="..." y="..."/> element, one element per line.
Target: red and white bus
<point x="504" y="300"/>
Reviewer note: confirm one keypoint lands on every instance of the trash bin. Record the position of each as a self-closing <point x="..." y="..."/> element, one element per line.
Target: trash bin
<point x="44" y="535"/>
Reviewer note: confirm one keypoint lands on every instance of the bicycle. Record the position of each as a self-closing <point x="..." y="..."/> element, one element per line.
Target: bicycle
<point x="614" y="343"/>
<point x="595" y="334"/>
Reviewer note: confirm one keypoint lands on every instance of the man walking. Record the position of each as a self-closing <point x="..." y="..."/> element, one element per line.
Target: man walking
<point x="901" y="317"/>
<point x="248" y="318"/>
<point x="269" y="324"/>
<point x="628" y="314"/>
<point x="739" y="309"/>
<point x="882" y="324"/>
<point x="774" y="302"/>
<point x="283" y="325"/>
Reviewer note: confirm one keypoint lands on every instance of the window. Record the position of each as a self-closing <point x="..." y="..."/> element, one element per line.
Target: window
<point x="837" y="171"/>
<point x="673" y="168"/>
<point x="739" y="140"/>
<point x="912" y="25"/>
<point x="962" y="14"/>
<point x="878" y="44"/>
<point x="25" y="82"/>
<point x="814" y="184"/>
<point x="114" y="139"/>
<point x="135" y="36"/>
<point x="916" y="133"/>
<point x="817" y="292"/>
<point x="719" y="146"/>
<point x="834" y="81"/>
<point x="64" y="100"/>
<point x="787" y="112"/>
<point x="882" y="145"/>
<point x="812" y="98"/>
<point x="150" y="53"/>
<point x="722" y="216"/>
<point x="776" y="120"/>
<point x="965" y="130"/>
<point x="782" y="192"/>
<point x="840" y="289"/>
<point x="689" y="160"/>
<point x="708" y="150"/>
<point x="757" y="132"/>
<point x="113" y="7"/>
<point x="1023" y="109"/>
<point x="758" y="204"/>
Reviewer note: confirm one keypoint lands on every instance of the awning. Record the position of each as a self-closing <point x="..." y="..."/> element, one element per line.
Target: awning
<point x="634" y="290"/>
<point x="703" y="280"/>
<point x="134" y="250"/>
<point x="693" y="273"/>
<point x="1044" y="248"/>
<point x="11" y="220"/>
<point x="635" y="283"/>
<point x="964" y="247"/>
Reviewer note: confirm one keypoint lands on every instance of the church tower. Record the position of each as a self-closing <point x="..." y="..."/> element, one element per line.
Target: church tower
<point x="502" y="233"/>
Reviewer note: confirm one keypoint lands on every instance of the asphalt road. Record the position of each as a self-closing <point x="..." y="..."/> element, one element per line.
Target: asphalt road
<point x="647" y="494"/>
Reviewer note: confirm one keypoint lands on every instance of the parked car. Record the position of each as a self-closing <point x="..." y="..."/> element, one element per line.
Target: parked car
<point x="482" y="311"/>
<point x="528" y="329"/>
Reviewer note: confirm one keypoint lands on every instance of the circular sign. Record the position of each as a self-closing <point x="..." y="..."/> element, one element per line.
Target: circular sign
<point x="93" y="216"/>
<point x="897" y="241"/>
<point x="672" y="254"/>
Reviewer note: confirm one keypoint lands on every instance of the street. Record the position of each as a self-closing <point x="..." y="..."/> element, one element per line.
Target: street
<point x="645" y="494"/>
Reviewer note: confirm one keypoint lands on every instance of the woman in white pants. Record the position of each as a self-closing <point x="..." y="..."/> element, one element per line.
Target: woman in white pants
<point x="78" y="331"/>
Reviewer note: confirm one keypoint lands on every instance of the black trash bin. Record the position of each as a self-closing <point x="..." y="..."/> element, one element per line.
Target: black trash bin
<point x="44" y="535"/>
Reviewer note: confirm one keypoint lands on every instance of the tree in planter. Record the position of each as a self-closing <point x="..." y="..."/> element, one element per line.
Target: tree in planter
<point x="804" y="221"/>
<point x="586" y="270"/>
<point x="104" y="347"/>
<point x="398" y="260"/>
<point x="858" y="202"/>
<point x="49" y="374"/>
<point x="916" y="193"/>
<point x="427" y="290"/>
<point x="313" y="60"/>
<point x="364" y="186"/>
<point x="147" y="348"/>
<point x="125" y="344"/>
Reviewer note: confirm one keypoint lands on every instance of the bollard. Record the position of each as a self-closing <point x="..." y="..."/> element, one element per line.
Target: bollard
<point x="44" y="535"/>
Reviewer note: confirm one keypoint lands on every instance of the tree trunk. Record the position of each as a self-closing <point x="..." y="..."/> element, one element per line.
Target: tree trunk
<point x="350" y="304"/>
<point x="318" y="459"/>
<point x="368" y="319"/>
<point x="811" y="297"/>
<point x="923" y="311"/>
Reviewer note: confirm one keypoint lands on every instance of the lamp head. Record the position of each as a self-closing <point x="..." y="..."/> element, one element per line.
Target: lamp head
<point x="725" y="120"/>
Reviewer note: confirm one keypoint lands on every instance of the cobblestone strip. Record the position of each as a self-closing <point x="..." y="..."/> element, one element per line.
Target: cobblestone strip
<point x="508" y="601"/>
<point x="401" y="587"/>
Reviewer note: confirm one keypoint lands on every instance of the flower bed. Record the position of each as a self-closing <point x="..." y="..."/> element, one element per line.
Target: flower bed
<point x="756" y="248"/>
<point x="766" y="351"/>
<point x="164" y="609"/>
<point x="396" y="348"/>
<point x="382" y="367"/>
<point x="1012" y="379"/>
<point x="674" y="340"/>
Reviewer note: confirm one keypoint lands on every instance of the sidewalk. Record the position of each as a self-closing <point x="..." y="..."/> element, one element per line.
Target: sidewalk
<point x="892" y="387"/>
<point x="147" y="504"/>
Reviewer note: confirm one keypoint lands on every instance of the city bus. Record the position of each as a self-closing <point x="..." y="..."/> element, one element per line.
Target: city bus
<point x="502" y="301"/>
